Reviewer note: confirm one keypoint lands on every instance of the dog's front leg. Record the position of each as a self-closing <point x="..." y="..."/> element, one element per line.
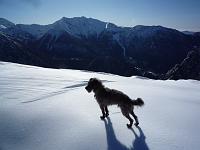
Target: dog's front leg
<point x="107" y="112"/>
<point x="103" y="112"/>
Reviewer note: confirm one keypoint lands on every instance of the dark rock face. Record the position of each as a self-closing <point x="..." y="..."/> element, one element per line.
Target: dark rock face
<point x="14" y="51"/>
<point x="160" y="49"/>
<point x="189" y="68"/>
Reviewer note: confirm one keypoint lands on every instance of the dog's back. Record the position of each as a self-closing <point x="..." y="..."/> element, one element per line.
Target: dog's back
<point x="108" y="96"/>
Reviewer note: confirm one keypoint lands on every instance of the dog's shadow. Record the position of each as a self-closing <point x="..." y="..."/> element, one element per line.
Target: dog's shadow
<point x="139" y="142"/>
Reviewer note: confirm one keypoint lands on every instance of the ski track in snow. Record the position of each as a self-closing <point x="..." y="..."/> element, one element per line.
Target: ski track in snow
<point x="50" y="109"/>
<point x="68" y="88"/>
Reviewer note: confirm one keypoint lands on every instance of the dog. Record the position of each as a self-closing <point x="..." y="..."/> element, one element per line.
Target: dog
<point x="106" y="97"/>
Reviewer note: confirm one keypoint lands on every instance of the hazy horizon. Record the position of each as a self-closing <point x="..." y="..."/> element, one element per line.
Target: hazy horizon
<point x="182" y="15"/>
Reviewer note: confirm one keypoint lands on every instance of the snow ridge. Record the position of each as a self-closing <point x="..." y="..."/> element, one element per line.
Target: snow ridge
<point x="50" y="109"/>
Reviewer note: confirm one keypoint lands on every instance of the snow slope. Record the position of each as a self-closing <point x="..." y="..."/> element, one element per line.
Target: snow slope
<point x="44" y="109"/>
<point x="2" y="26"/>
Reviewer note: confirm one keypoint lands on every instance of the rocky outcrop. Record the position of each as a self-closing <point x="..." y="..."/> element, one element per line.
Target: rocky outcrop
<point x="189" y="68"/>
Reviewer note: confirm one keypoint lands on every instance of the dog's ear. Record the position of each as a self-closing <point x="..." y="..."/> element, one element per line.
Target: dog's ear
<point x="97" y="82"/>
<point x="91" y="79"/>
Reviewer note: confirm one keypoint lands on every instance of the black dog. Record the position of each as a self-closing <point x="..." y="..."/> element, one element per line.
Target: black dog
<point x="106" y="96"/>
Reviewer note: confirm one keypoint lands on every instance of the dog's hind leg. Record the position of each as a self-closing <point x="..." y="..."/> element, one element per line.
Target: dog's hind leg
<point x="126" y="114"/>
<point x="103" y="112"/>
<point x="135" y="117"/>
<point x="130" y="119"/>
<point x="107" y="112"/>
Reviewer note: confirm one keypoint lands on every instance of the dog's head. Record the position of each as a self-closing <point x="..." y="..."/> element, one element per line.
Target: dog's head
<point x="93" y="84"/>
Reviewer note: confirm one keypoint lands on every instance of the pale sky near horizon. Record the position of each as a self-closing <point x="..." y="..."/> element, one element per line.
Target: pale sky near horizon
<point x="178" y="14"/>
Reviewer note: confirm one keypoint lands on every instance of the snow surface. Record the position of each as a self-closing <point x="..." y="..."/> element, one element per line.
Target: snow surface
<point x="49" y="109"/>
<point x="2" y="26"/>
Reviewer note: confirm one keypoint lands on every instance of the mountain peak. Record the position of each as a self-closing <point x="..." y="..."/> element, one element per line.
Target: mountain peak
<point x="80" y="26"/>
<point x="4" y="23"/>
<point x="80" y="19"/>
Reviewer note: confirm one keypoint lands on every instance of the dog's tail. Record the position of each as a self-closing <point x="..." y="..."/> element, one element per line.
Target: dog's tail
<point x="138" y="102"/>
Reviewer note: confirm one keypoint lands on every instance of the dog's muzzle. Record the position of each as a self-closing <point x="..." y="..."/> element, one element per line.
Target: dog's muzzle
<point x="88" y="89"/>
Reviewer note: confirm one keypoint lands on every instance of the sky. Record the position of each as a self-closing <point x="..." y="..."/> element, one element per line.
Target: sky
<point x="177" y="14"/>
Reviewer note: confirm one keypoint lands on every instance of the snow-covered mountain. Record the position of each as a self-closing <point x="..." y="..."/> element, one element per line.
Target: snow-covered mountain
<point x="77" y="26"/>
<point x="91" y="44"/>
<point x="49" y="109"/>
<point x="5" y="23"/>
<point x="80" y="26"/>
<point x="85" y="27"/>
<point x="188" y="32"/>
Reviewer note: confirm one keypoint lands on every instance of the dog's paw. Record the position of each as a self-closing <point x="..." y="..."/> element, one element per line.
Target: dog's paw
<point x="129" y="126"/>
<point x="102" y="117"/>
<point x="136" y="124"/>
<point x="107" y="115"/>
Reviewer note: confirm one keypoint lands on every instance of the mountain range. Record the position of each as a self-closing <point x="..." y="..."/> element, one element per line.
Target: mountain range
<point x="90" y="44"/>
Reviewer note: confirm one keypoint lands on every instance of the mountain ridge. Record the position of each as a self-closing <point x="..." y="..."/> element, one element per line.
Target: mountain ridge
<point x="82" y="18"/>
<point x="91" y="44"/>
